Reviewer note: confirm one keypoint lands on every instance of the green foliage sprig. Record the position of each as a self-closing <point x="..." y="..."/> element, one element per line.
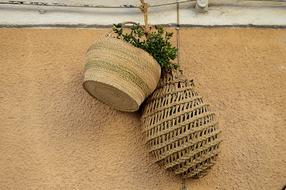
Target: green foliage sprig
<point x="156" y="42"/>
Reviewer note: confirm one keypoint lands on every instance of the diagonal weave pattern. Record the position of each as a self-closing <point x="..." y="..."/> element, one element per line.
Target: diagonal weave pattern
<point x="181" y="131"/>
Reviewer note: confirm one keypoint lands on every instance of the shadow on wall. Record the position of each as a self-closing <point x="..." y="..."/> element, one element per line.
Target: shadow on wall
<point x="53" y="132"/>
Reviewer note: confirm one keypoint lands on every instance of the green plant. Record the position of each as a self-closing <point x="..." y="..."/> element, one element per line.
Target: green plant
<point x="156" y="42"/>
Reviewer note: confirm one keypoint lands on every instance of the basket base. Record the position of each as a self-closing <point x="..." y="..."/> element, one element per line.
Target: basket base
<point x="111" y="96"/>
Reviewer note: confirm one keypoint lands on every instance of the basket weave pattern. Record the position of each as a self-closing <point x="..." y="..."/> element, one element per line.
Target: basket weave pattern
<point x="126" y="74"/>
<point x="181" y="131"/>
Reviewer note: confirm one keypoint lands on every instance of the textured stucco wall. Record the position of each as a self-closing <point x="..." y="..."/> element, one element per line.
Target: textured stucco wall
<point x="53" y="135"/>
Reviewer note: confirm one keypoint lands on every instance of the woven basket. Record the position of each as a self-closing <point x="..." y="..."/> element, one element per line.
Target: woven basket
<point x="181" y="131"/>
<point x="120" y="74"/>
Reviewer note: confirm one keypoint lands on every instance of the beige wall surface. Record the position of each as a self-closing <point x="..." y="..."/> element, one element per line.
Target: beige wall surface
<point x="53" y="135"/>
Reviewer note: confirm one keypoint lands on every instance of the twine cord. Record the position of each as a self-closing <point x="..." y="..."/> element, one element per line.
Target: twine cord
<point x="178" y="32"/>
<point x="178" y="62"/>
<point x="144" y="9"/>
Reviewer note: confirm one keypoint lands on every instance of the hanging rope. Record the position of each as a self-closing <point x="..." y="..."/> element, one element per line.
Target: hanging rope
<point x="178" y="62"/>
<point x="144" y="9"/>
<point x="178" y="32"/>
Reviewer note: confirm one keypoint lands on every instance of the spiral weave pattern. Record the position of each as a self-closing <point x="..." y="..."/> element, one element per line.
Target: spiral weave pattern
<point x="181" y="131"/>
<point x="119" y="74"/>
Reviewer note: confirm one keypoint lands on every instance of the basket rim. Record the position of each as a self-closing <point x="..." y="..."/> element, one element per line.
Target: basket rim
<point x="125" y="43"/>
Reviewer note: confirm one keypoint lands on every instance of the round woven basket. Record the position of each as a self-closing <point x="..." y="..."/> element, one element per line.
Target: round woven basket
<point x="120" y="74"/>
<point x="181" y="131"/>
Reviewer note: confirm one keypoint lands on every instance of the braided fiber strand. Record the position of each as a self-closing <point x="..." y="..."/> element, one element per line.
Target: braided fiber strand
<point x="181" y="131"/>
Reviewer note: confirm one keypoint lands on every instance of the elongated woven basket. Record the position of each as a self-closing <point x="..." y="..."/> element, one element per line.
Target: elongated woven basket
<point x="181" y="131"/>
<point x="119" y="74"/>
